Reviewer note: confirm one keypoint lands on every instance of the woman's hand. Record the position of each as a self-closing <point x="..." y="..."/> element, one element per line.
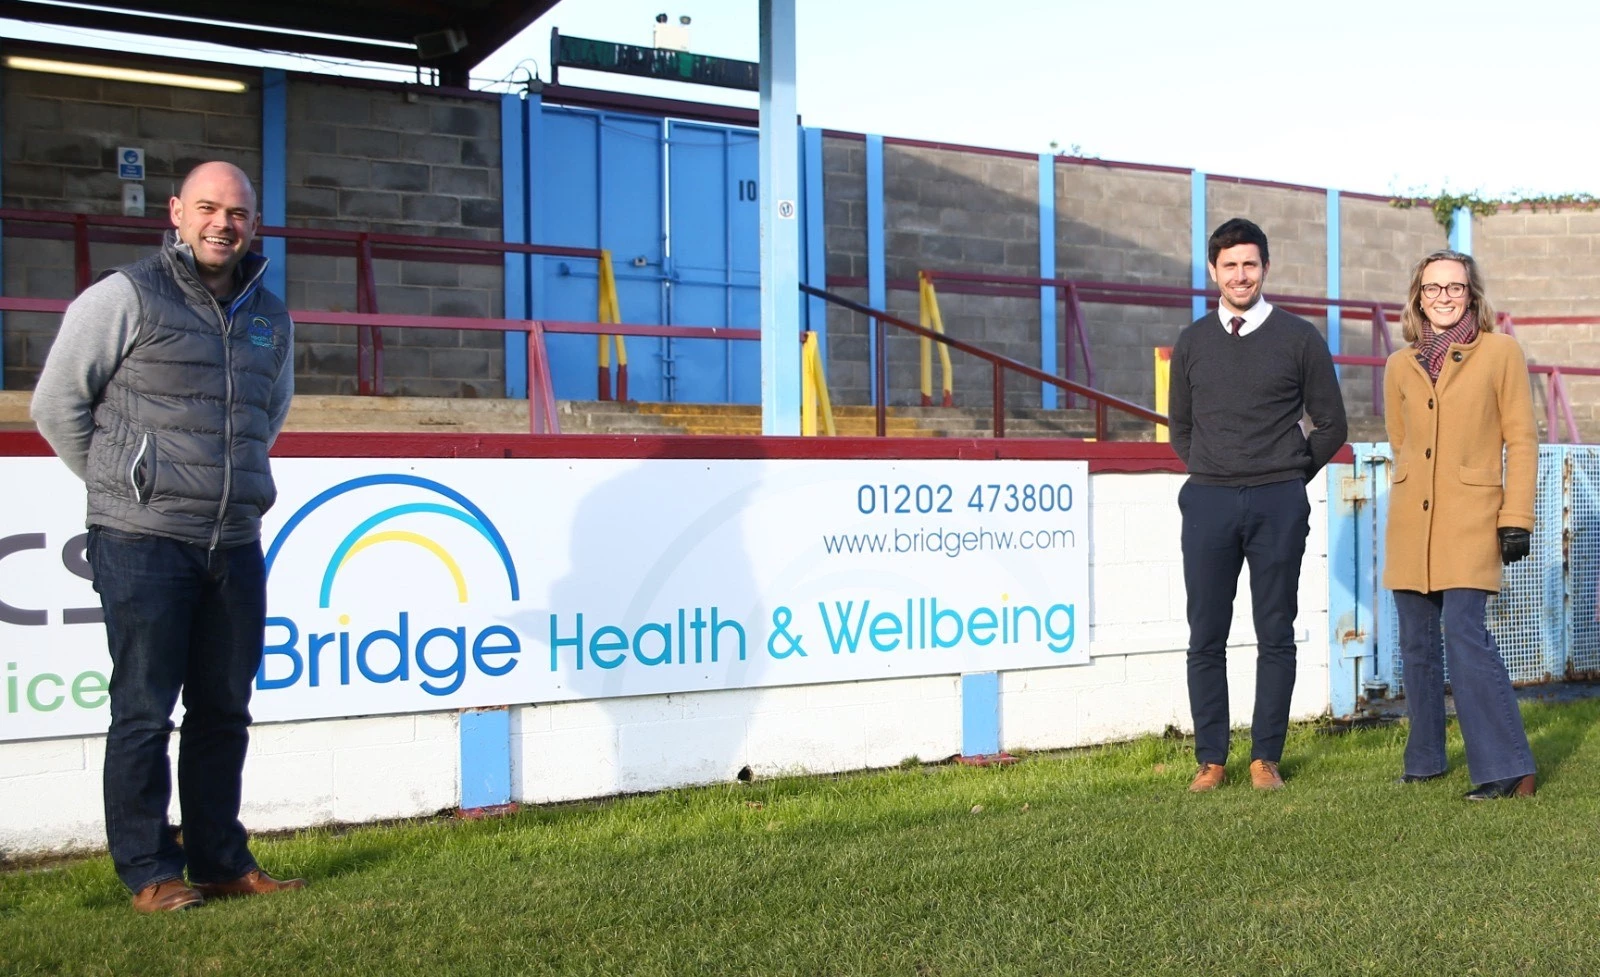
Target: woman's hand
<point x="1514" y="543"/>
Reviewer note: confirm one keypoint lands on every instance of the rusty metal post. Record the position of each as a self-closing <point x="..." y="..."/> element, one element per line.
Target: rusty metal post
<point x="999" y="401"/>
<point x="880" y="344"/>
<point x="80" y="251"/>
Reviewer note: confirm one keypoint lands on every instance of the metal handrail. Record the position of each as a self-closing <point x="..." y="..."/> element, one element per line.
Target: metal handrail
<point x="364" y="246"/>
<point x="1077" y="291"/>
<point x="1000" y="364"/>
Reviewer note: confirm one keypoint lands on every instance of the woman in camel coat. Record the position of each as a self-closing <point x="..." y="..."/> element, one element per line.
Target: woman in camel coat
<point x="1455" y="399"/>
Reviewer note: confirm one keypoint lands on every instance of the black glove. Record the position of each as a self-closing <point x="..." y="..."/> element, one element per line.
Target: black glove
<point x="1514" y="543"/>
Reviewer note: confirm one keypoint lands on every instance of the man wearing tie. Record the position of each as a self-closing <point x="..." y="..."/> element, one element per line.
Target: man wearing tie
<point x="1242" y="379"/>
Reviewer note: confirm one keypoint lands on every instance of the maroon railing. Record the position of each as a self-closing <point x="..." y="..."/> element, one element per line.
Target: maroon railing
<point x="1074" y="293"/>
<point x="999" y="364"/>
<point x="365" y="247"/>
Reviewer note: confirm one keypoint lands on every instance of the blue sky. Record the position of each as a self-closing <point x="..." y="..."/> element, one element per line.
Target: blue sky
<point x="1377" y="97"/>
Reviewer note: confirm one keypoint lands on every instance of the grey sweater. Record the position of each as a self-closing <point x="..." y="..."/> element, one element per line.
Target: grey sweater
<point x="1236" y="401"/>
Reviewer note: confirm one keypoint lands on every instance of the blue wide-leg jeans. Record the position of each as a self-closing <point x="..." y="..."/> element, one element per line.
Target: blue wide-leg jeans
<point x="1486" y="706"/>
<point x="180" y="619"/>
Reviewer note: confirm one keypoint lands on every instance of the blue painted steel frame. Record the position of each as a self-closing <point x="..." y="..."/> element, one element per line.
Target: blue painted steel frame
<point x="877" y="286"/>
<point x="1335" y="276"/>
<point x="275" y="175"/>
<point x="515" y="191"/>
<point x="779" y="150"/>
<point x="980" y="714"/>
<point x="485" y="757"/>
<point x="1047" y="269"/>
<point x="816" y="237"/>
<point x="1197" y="240"/>
<point x="1461" y="230"/>
<point x="1357" y="623"/>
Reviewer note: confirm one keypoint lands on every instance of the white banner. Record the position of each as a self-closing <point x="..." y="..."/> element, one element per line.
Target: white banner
<point x="401" y="585"/>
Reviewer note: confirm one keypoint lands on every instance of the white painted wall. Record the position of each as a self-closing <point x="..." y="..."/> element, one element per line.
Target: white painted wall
<point x="352" y="770"/>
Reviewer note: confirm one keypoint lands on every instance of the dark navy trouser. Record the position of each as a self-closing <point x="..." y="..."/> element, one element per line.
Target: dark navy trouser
<point x="1225" y="527"/>
<point x="1486" y="707"/>
<point x="179" y="619"/>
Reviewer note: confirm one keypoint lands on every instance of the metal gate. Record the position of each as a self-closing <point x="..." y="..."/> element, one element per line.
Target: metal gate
<point x="675" y="203"/>
<point x="1544" y="618"/>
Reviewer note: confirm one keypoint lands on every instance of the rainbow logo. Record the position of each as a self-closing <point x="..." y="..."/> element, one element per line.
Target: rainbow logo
<point x="367" y="533"/>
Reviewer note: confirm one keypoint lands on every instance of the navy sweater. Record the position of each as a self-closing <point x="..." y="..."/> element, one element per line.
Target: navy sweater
<point x="1237" y="401"/>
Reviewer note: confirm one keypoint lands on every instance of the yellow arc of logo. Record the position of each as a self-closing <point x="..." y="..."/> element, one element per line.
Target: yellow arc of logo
<point x="400" y="536"/>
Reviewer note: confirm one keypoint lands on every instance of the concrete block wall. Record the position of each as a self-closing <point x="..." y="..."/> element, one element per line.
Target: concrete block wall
<point x="844" y="177"/>
<point x="1540" y="262"/>
<point x="976" y="212"/>
<point x="61" y="139"/>
<point x="390" y="159"/>
<point x="1379" y="245"/>
<point x="1117" y="224"/>
<point x="361" y="156"/>
<point x="1295" y="220"/>
<point x="362" y="769"/>
<point x="1545" y="263"/>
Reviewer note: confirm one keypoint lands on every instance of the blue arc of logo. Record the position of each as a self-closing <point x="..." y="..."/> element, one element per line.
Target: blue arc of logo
<point x="355" y="535"/>
<point x="479" y="520"/>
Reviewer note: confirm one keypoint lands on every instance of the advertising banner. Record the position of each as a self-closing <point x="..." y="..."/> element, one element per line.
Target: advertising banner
<point x="400" y="585"/>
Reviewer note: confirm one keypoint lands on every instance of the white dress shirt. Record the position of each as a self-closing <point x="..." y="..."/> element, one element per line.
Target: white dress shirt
<point x="1253" y="317"/>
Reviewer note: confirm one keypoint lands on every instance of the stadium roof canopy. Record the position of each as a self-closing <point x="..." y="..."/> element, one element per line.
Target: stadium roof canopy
<point x="450" y="36"/>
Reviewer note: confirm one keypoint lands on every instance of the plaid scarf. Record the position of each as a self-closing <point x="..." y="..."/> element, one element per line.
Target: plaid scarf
<point x="1433" y="345"/>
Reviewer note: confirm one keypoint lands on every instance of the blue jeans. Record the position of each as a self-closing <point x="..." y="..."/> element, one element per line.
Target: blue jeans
<point x="179" y="618"/>
<point x="1225" y="527"/>
<point x="1486" y="706"/>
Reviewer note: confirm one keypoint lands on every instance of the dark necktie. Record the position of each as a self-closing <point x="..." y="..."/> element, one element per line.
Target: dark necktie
<point x="1236" y="322"/>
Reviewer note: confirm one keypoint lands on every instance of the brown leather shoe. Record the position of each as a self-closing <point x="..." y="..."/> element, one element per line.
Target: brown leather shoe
<point x="166" y="897"/>
<point x="1209" y="777"/>
<point x="253" y="883"/>
<point x="1264" y="775"/>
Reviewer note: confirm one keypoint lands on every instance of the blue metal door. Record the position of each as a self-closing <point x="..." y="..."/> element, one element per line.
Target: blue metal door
<point x="713" y="262"/>
<point x="600" y="182"/>
<point x="675" y="203"/>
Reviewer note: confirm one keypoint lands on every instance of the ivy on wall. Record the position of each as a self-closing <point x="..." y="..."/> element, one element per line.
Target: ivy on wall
<point x="1445" y="205"/>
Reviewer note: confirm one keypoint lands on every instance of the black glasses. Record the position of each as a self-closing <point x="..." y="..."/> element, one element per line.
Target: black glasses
<point x="1455" y="290"/>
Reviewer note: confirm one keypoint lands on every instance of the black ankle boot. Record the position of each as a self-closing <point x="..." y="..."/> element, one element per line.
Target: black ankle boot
<point x="1510" y="787"/>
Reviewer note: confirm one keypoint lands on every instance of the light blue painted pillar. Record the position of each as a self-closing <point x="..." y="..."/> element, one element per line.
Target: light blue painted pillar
<point x="980" y="714"/>
<point x="1198" y="235"/>
<point x="780" y="223"/>
<point x="514" y="182"/>
<point x="1047" y="269"/>
<point x="1461" y="230"/>
<point x="877" y="287"/>
<point x="816" y="236"/>
<point x="485" y="757"/>
<point x="1335" y="274"/>
<point x="275" y="176"/>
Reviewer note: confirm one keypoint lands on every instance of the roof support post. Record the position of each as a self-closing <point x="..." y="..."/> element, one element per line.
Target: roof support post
<point x="780" y="223"/>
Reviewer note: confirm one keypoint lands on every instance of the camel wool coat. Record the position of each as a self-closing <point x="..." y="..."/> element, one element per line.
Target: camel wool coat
<point x="1449" y="494"/>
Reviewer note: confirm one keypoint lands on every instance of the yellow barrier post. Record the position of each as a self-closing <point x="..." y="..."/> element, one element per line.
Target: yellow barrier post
<point x="925" y="320"/>
<point x="1163" y="388"/>
<point x="610" y="311"/>
<point x="824" y="402"/>
<point x="808" y="387"/>
<point x="931" y="307"/>
<point x="814" y="389"/>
